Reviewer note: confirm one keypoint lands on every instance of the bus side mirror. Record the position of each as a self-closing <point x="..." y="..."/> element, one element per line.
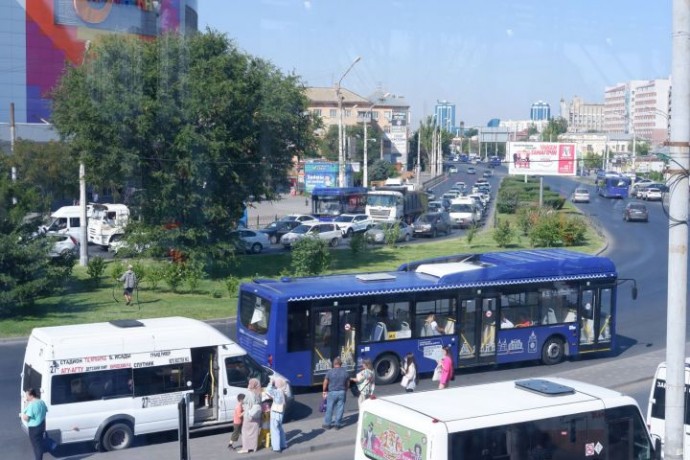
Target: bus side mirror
<point x="634" y="293"/>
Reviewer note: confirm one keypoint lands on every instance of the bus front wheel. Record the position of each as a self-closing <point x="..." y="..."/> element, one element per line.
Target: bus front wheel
<point x="386" y="369"/>
<point x="118" y="436"/>
<point x="553" y="351"/>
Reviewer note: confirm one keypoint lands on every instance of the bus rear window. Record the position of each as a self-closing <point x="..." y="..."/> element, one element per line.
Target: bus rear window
<point x="32" y="378"/>
<point x="254" y="312"/>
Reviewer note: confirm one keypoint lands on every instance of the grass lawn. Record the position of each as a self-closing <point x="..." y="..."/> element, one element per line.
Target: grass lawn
<point x="82" y="301"/>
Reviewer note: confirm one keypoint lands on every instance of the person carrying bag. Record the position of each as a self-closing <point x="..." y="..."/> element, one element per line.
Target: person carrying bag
<point x="409" y="371"/>
<point x="365" y="381"/>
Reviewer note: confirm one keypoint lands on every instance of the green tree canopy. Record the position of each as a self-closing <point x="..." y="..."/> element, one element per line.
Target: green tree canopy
<point x="186" y="128"/>
<point x="556" y="126"/>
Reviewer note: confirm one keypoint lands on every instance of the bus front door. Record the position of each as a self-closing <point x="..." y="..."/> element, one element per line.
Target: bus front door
<point x="477" y="331"/>
<point x="596" y="329"/>
<point x="335" y="333"/>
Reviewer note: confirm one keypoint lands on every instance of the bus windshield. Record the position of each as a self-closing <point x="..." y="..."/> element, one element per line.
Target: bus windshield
<point x="254" y="313"/>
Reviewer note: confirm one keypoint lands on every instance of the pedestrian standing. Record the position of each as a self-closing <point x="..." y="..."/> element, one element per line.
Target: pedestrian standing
<point x="129" y="280"/>
<point x="252" y="417"/>
<point x="365" y="381"/>
<point x="334" y="390"/>
<point x="447" y="369"/>
<point x="409" y="371"/>
<point x="34" y="416"/>
<point x="276" y="390"/>
<point x="237" y="421"/>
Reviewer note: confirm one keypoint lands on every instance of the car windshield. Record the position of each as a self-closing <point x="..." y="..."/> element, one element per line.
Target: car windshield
<point x="582" y="190"/>
<point x="344" y="218"/>
<point x="464" y="207"/>
<point x="301" y="229"/>
<point x="426" y="218"/>
<point x="637" y="207"/>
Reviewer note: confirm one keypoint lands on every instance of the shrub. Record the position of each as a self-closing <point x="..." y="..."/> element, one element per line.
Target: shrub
<point x="546" y="232"/>
<point x="358" y="243"/>
<point x="573" y="231"/>
<point x="173" y="275"/>
<point x="471" y="233"/>
<point x="95" y="269"/>
<point x="116" y="270"/>
<point x="155" y="274"/>
<point x="232" y="284"/>
<point x="193" y="273"/>
<point x="503" y="234"/>
<point x="310" y="256"/>
<point x="391" y="235"/>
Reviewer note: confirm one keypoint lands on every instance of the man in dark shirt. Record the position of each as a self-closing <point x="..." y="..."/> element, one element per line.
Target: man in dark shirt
<point x="335" y="390"/>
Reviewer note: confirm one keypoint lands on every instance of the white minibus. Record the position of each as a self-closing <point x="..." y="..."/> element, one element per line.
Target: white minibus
<point x="549" y="418"/>
<point x="106" y="382"/>
<point x="656" y="410"/>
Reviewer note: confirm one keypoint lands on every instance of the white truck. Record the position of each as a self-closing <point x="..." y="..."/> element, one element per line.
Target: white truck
<point x="106" y="221"/>
<point x="67" y="220"/>
<point x="106" y="382"/>
<point x="395" y="203"/>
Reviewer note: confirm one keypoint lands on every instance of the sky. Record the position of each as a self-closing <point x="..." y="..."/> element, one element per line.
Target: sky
<point x="491" y="58"/>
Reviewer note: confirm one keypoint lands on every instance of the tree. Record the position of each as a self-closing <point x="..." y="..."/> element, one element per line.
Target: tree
<point x="26" y="271"/>
<point x="556" y="126"/>
<point x="187" y="128"/>
<point x="381" y="170"/>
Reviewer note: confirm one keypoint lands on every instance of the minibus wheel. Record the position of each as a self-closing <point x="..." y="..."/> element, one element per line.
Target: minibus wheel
<point x="386" y="369"/>
<point x="553" y="351"/>
<point x="118" y="436"/>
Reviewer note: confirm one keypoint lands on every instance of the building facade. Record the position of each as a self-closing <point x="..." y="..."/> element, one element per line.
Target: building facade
<point x="639" y="108"/>
<point x="444" y="116"/>
<point x="39" y="36"/>
<point x="390" y="112"/>
<point x="583" y="117"/>
<point x="540" y="111"/>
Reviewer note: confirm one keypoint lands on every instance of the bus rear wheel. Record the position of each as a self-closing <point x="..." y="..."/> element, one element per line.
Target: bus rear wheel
<point x="553" y="351"/>
<point x="386" y="369"/>
<point x="118" y="436"/>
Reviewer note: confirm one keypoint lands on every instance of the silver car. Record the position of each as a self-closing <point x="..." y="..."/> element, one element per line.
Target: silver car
<point x="377" y="233"/>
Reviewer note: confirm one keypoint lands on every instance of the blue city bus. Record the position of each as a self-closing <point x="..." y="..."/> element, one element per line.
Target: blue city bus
<point x="492" y="308"/>
<point x="327" y="203"/>
<point x="612" y="184"/>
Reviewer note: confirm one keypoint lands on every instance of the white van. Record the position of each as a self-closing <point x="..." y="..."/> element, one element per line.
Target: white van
<point x="106" y="382"/>
<point x="67" y="220"/>
<point x="105" y="222"/>
<point x="525" y="419"/>
<point x="656" y="410"/>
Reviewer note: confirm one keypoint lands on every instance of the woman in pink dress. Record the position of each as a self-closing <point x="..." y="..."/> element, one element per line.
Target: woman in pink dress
<point x="447" y="369"/>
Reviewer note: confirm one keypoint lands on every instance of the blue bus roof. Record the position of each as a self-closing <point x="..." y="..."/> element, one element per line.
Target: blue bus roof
<point x="462" y="270"/>
<point x="337" y="191"/>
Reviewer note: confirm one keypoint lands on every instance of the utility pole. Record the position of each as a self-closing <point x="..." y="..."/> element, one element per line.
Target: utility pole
<point x="341" y="155"/>
<point x="83" y="229"/>
<point x="13" y="137"/>
<point x="678" y="233"/>
<point x="419" y="156"/>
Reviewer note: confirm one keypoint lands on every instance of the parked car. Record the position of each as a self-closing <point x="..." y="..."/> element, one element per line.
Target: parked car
<point x="432" y="223"/>
<point x="276" y="230"/>
<point x="300" y="218"/>
<point x="471" y="170"/>
<point x="642" y="190"/>
<point x="350" y="224"/>
<point x="653" y="194"/>
<point x="327" y="231"/>
<point x="635" y="211"/>
<point x="377" y="233"/>
<point x="62" y="244"/>
<point x="249" y="241"/>
<point x="580" y="195"/>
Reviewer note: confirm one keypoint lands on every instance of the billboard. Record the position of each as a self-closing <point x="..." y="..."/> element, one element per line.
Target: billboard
<point x="324" y="174"/>
<point x="542" y="158"/>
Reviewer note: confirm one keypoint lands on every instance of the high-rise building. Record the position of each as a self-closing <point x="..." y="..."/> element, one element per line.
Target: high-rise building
<point x="540" y="111"/>
<point x="444" y="113"/>
<point x="638" y="107"/>
<point x="39" y="36"/>
<point x="583" y="117"/>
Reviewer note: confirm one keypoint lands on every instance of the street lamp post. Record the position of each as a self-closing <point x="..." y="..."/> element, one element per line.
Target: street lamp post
<point x="341" y="156"/>
<point x="365" y="174"/>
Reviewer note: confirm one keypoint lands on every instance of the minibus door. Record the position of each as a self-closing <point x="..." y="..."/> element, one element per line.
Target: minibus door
<point x="335" y="334"/>
<point x="477" y="341"/>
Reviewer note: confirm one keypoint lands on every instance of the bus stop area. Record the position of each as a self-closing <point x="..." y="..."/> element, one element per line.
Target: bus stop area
<point x="305" y="436"/>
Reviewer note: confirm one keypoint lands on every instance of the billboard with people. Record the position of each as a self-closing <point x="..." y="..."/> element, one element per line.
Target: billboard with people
<point x="542" y="158"/>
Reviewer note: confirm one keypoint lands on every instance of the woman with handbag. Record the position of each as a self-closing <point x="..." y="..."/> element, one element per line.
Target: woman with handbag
<point x="252" y="417"/>
<point x="365" y="381"/>
<point x="409" y="371"/>
<point x="447" y="368"/>
<point x="276" y="391"/>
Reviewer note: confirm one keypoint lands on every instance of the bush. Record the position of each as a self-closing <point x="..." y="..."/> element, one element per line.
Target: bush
<point x="310" y="256"/>
<point x="232" y="284"/>
<point x="358" y="243"/>
<point x="173" y="275"/>
<point x="503" y="234"/>
<point x="391" y="235"/>
<point x="193" y="273"/>
<point x="155" y="274"/>
<point x="116" y="270"/>
<point x="471" y="233"/>
<point x="528" y="217"/>
<point x="95" y="269"/>
<point x="573" y="231"/>
<point x="546" y="232"/>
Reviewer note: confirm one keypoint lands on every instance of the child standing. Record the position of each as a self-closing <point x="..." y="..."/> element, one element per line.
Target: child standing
<point x="237" y="421"/>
